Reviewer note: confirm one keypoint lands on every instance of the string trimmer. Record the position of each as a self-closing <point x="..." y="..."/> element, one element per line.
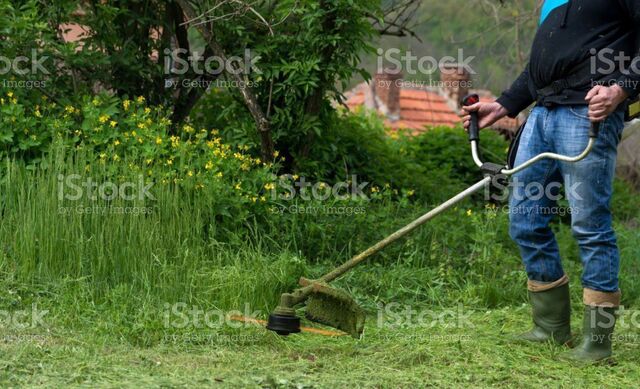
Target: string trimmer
<point x="334" y="307"/>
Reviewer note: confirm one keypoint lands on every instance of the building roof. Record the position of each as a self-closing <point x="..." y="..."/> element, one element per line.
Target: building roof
<point x="421" y="108"/>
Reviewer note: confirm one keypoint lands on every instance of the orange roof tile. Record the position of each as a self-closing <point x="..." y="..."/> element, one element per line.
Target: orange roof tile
<point x="420" y="108"/>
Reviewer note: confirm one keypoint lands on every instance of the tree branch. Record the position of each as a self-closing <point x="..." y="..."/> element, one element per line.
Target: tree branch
<point x="262" y="123"/>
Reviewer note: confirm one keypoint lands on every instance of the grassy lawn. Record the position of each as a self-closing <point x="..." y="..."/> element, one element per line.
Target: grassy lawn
<point x="108" y="283"/>
<point x="477" y="354"/>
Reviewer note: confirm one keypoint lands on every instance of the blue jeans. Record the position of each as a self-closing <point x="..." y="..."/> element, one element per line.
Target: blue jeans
<point x="588" y="189"/>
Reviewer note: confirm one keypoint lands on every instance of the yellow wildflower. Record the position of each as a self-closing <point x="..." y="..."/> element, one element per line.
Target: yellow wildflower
<point x="103" y="119"/>
<point x="116" y="143"/>
<point x="209" y="165"/>
<point x="140" y="99"/>
<point x="113" y="123"/>
<point x="170" y="162"/>
<point x="469" y="212"/>
<point x="10" y="94"/>
<point x="158" y="141"/>
<point x="175" y="141"/>
<point x="126" y="104"/>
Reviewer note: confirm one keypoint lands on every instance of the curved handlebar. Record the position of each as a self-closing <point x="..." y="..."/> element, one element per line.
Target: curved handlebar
<point x="474" y="139"/>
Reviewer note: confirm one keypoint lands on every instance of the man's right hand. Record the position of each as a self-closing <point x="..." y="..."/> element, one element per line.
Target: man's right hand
<point x="488" y="113"/>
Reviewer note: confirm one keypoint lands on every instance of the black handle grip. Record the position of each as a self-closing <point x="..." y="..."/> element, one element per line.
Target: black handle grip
<point x="474" y="128"/>
<point x="594" y="130"/>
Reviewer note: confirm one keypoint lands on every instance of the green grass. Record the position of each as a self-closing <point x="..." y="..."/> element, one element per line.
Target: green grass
<point x="415" y="356"/>
<point x="109" y="283"/>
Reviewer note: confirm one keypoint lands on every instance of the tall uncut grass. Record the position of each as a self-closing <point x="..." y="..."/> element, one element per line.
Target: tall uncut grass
<point x="179" y="251"/>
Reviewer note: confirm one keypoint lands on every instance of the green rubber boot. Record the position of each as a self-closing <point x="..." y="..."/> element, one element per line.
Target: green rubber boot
<point x="551" y="310"/>
<point x="599" y="323"/>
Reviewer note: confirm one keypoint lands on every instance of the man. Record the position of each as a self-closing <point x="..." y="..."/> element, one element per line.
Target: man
<point x="577" y="74"/>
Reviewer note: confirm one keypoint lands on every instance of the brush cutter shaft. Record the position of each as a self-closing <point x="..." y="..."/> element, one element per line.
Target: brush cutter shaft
<point x="405" y="230"/>
<point x="593" y="134"/>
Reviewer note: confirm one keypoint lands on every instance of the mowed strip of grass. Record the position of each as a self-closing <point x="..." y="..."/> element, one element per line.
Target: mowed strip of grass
<point x="421" y="354"/>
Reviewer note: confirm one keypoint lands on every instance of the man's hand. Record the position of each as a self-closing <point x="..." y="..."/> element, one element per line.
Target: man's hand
<point x="603" y="100"/>
<point x="488" y="113"/>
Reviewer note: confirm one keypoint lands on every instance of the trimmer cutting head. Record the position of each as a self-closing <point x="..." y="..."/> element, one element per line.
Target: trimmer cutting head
<point x="325" y="305"/>
<point x="283" y="324"/>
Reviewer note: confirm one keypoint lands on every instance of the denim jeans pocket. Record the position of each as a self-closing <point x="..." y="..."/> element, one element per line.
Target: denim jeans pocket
<point x="582" y="112"/>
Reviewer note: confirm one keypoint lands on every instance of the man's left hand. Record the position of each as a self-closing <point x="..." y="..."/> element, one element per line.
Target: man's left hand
<point x="603" y="100"/>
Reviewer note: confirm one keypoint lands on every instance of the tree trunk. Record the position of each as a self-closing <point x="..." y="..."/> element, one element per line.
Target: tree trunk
<point x="262" y="123"/>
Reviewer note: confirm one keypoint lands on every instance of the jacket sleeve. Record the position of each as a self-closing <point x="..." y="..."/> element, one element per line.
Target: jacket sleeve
<point x="518" y="96"/>
<point x="630" y="82"/>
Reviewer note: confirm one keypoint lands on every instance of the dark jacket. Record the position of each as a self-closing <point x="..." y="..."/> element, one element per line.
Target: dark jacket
<point x="579" y="40"/>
